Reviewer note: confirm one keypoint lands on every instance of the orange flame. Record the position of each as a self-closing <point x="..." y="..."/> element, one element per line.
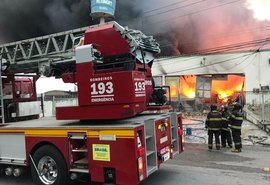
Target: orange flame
<point x="187" y="86"/>
<point x="174" y="91"/>
<point x="224" y="95"/>
<point x="225" y="89"/>
<point x="190" y="92"/>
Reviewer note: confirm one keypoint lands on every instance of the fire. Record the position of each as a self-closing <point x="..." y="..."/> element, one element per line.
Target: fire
<point x="187" y="86"/>
<point x="260" y="9"/>
<point x="226" y="89"/>
<point x="174" y="91"/>
<point x="173" y="82"/>
<point x="224" y="95"/>
<point x="190" y="92"/>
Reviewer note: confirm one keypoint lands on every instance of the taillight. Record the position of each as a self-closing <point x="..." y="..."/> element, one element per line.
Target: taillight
<point x="140" y="168"/>
<point x="180" y="132"/>
<point x="183" y="140"/>
<point x="141" y="151"/>
<point x="162" y="127"/>
<point x="141" y="154"/>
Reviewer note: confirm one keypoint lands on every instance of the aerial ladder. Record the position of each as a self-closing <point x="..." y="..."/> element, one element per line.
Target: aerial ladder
<point x="48" y="56"/>
<point x="41" y="54"/>
<point x="112" y="52"/>
<point x="110" y="64"/>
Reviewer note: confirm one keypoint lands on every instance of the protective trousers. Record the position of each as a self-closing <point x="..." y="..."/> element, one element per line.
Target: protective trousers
<point x="236" y="134"/>
<point x="226" y="137"/>
<point x="212" y="133"/>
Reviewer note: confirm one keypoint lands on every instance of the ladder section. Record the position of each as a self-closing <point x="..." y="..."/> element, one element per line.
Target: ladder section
<point x="151" y="147"/>
<point x="2" y="113"/>
<point x="26" y="56"/>
<point x="174" y="133"/>
<point x="78" y="152"/>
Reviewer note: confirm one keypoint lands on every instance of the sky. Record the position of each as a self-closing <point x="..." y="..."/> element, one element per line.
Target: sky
<point x="180" y="26"/>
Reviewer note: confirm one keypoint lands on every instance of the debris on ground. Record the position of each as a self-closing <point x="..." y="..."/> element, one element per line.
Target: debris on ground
<point x="195" y="132"/>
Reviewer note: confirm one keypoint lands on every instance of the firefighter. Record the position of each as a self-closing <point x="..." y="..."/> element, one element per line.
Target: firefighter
<point x="236" y="119"/>
<point x="213" y="124"/>
<point x="225" y="130"/>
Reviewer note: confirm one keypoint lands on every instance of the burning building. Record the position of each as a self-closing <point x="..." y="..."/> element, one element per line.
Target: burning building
<point x="220" y="78"/>
<point x="203" y="90"/>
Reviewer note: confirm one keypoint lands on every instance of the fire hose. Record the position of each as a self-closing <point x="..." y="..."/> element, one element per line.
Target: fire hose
<point x="258" y="140"/>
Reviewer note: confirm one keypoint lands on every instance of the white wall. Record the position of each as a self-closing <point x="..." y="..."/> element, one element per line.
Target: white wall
<point x="49" y="106"/>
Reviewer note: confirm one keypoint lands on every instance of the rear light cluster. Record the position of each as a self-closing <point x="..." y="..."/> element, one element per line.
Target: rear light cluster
<point x="162" y="127"/>
<point x="141" y="153"/>
<point x="140" y="168"/>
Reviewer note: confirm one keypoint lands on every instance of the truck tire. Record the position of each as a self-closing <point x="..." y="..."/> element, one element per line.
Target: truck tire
<point x="51" y="166"/>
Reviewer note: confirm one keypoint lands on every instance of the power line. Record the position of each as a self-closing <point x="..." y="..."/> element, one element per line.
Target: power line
<point x="234" y="47"/>
<point x="192" y="13"/>
<point x="256" y="51"/>
<point x="164" y="7"/>
<point x="226" y="47"/>
<point x="220" y="62"/>
<point x="177" y="8"/>
<point x="251" y="61"/>
<point x="231" y="34"/>
<point x="267" y="40"/>
<point x="230" y="47"/>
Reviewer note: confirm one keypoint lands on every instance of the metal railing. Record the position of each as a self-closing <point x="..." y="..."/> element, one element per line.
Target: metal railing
<point x="258" y="103"/>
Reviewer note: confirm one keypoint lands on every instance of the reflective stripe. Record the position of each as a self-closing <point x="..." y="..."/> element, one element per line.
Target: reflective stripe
<point x="214" y="129"/>
<point x="237" y="118"/>
<point x="236" y="127"/>
<point x="215" y="119"/>
<point x="237" y="143"/>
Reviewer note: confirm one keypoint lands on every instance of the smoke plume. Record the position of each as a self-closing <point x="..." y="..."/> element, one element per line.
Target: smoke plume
<point x="180" y="26"/>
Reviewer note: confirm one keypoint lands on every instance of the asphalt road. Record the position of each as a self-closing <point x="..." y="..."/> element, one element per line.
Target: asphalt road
<point x="197" y="165"/>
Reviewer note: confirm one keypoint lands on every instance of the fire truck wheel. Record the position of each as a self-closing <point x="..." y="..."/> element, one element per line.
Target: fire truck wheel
<point x="51" y="167"/>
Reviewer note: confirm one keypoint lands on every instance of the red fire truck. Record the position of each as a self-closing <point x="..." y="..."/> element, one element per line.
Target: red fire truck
<point x="112" y="135"/>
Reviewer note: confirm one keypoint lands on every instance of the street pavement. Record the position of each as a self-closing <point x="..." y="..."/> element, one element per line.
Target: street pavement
<point x="198" y="165"/>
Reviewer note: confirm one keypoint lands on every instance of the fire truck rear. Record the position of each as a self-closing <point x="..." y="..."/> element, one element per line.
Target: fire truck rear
<point x="117" y="139"/>
<point x="117" y="152"/>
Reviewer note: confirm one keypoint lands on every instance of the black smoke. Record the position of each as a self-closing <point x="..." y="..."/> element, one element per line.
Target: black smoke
<point x="23" y="19"/>
<point x="180" y="26"/>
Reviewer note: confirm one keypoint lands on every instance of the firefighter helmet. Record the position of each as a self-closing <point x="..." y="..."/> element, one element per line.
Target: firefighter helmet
<point x="237" y="106"/>
<point x="213" y="107"/>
